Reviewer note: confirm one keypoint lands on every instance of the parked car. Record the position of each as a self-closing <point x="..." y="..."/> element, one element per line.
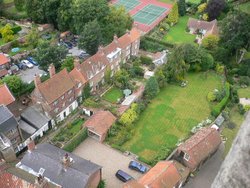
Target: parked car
<point x="31" y="60"/>
<point x="69" y="45"/>
<point x="27" y="63"/>
<point x="123" y="176"/>
<point x="83" y="55"/>
<point x="134" y="165"/>
<point x="22" y="66"/>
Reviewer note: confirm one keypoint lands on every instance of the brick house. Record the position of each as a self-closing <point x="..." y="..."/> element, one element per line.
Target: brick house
<point x="59" y="167"/>
<point x="6" y="97"/>
<point x="56" y="95"/>
<point x="165" y="174"/>
<point x="194" y="151"/>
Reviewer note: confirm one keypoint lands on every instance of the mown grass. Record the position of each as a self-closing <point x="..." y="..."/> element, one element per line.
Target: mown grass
<point x="171" y="115"/>
<point x="244" y="92"/>
<point x="113" y="95"/>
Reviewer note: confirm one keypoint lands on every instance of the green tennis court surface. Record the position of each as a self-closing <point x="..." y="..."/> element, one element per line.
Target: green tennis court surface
<point x="128" y="4"/>
<point x="149" y="14"/>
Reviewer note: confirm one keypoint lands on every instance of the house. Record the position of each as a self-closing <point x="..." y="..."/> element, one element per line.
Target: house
<point x="59" y="167"/>
<point x="194" y="151"/>
<point x="6" y="97"/>
<point x="56" y="95"/>
<point x="12" y="177"/>
<point x="99" y="124"/>
<point x="165" y="174"/>
<point x="9" y="127"/>
<point x="204" y="28"/>
<point x="4" y="62"/>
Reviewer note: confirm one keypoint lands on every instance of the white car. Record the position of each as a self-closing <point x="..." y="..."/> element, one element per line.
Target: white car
<point x="27" y="63"/>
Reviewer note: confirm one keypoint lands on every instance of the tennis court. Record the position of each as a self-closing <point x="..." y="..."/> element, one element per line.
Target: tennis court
<point x="149" y="14"/>
<point x="128" y="4"/>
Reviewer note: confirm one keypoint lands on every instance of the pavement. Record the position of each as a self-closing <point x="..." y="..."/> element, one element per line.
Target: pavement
<point x="27" y="75"/>
<point x="110" y="159"/>
<point x="206" y="175"/>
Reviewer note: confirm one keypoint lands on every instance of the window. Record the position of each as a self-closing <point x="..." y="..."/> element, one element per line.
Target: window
<point x="69" y="92"/>
<point x="186" y="157"/>
<point x="71" y="99"/>
<point x="55" y="103"/>
<point x="62" y="97"/>
<point x="12" y="131"/>
<point x="56" y="110"/>
<point x="79" y="85"/>
<point x="63" y="104"/>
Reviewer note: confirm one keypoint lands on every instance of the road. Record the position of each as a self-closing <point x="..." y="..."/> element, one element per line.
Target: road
<point x="205" y="177"/>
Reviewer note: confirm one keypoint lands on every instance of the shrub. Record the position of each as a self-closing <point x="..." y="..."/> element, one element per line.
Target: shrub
<point x="244" y="80"/>
<point x="102" y="184"/>
<point x="16" y="29"/>
<point x="247" y="108"/>
<point x="241" y="109"/>
<point x="221" y="105"/>
<point x="130" y="116"/>
<point x="76" y="141"/>
<point x="211" y="96"/>
<point x="91" y="103"/>
<point x="231" y="125"/>
<point x="146" y="60"/>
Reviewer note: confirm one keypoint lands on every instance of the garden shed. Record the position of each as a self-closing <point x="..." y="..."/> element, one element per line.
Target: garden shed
<point x="99" y="124"/>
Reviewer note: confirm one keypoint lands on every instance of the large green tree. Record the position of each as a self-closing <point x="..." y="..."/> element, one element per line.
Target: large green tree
<point x="35" y="10"/>
<point x="210" y="42"/>
<point x="235" y="31"/>
<point x="116" y="22"/>
<point x="32" y="37"/>
<point x="182" y="7"/>
<point x="19" y="4"/>
<point x="214" y="8"/>
<point x="65" y="14"/>
<point x="7" y="33"/>
<point x="51" y="11"/>
<point x="90" y="37"/>
<point x="85" y="11"/>
<point x="14" y="83"/>
<point x="47" y="54"/>
<point x="68" y="63"/>
<point x="173" y="16"/>
<point x="151" y="88"/>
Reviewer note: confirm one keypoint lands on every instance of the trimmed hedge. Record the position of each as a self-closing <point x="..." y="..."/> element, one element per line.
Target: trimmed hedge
<point x="76" y="141"/>
<point x="221" y="105"/>
<point x="166" y="44"/>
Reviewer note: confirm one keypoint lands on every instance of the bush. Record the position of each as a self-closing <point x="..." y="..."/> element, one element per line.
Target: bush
<point x="102" y="184"/>
<point x="146" y="60"/>
<point x="231" y="125"/>
<point x="16" y="29"/>
<point x="76" y="141"/>
<point x="247" y="108"/>
<point x="244" y="80"/>
<point x="211" y="96"/>
<point x="241" y="109"/>
<point x="221" y="105"/>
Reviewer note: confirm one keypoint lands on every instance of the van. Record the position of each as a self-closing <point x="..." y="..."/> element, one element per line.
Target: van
<point x="123" y="176"/>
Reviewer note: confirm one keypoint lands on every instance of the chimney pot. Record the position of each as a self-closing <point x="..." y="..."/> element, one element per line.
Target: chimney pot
<point x="31" y="145"/>
<point x="52" y="70"/>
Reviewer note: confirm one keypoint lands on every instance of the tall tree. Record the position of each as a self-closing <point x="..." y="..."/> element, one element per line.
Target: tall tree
<point x="65" y="14"/>
<point x="19" y="4"/>
<point x="235" y="31"/>
<point x="88" y="10"/>
<point x="214" y="8"/>
<point x="116" y="22"/>
<point x="35" y="10"/>
<point x="47" y="54"/>
<point x="173" y="16"/>
<point x="90" y="37"/>
<point x="151" y="88"/>
<point x="182" y="7"/>
<point x="14" y="83"/>
<point x="51" y="11"/>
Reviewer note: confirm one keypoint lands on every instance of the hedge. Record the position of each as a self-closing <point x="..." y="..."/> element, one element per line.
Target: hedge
<point x="221" y="105"/>
<point x="16" y="29"/>
<point x="76" y="141"/>
<point x="166" y="44"/>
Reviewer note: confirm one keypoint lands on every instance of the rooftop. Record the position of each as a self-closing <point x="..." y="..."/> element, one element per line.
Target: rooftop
<point x="6" y="96"/>
<point x="7" y="120"/>
<point x="3" y="59"/>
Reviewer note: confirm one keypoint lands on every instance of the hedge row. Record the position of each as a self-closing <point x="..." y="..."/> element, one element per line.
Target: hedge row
<point x="221" y="105"/>
<point x="76" y="141"/>
<point x="166" y="44"/>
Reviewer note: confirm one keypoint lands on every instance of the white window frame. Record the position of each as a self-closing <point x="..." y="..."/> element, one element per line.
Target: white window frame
<point x="186" y="157"/>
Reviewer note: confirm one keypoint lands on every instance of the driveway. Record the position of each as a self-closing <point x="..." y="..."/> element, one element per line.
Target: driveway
<point x="206" y="175"/>
<point x="27" y="75"/>
<point x="110" y="159"/>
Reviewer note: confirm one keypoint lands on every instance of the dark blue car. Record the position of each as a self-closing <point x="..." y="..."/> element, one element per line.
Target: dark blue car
<point x="123" y="176"/>
<point x="134" y="165"/>
<point x="31" y="60"/>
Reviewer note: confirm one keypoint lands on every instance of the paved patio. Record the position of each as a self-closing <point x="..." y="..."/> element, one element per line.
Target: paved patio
<point x="110" y="159"/>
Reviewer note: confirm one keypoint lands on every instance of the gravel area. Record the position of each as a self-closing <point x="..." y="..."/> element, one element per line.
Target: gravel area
<point x="28" y="75"/>
<point x="110" y="159"/>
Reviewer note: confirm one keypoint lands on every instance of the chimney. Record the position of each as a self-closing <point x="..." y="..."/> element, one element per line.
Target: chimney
<point x="37" y="80"/>
<point x="76" y="62"/>
<point x="115" y="39"/>
<point x="52" y="70"/>
<point x="31" y="145"/>
<point x="100" y="50"/>
<point x="41" y="182"/>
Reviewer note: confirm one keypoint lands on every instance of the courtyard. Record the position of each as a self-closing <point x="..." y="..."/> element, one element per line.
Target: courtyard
<point x="110" y="159"/>
<point x="171" y="115"/>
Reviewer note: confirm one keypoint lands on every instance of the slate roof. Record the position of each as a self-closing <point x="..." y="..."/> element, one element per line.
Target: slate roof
<point x="100" y="122"/>
<point x="49" y="157"/>
<point x="27" y="130"/>
<point x="56" y="86"/>
<point x="34" y="117"/>
<point x="6" y="97"/>
<point x="7" y="119"/>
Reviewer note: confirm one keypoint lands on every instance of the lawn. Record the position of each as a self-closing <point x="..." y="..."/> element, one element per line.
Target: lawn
<point x="230" y="134"/>
<point x="171" y="115"/>
<point x="244" y="92"/>
<point x="113" y="95"/>
<point x="178" y="34"/>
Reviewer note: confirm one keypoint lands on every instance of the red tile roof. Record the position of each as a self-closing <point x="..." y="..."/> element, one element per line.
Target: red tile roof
<point x="200" y="146"/>
<point x="6" y="97"/>
<point x="128" y="38"/>
<point x="76" y="75"/>
<point x="56" y="86"/>
<point x="3" y="59"/>
<point x="100" y="122"/>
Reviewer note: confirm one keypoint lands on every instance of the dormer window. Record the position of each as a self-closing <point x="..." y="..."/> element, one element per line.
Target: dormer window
<point x="69" y="92"/>
<point x="62" y="97"/>
<point x="186" y="157"/>
<point x="55" y="103"/>
<point x="79" y="85"/>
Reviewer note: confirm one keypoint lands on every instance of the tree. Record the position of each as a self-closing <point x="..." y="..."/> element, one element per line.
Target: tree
<point x="14" y="83"/>
<point x="90" y="38"/>
<point x="210" y="42"/>
<point x="173" y="15"/>
<point x="160" y="77"/>
<point x="121" y="79"/>
<point x="86" y="91"/>
<point x="50" y="10"/>
<point x="68" y="63"/>
<point x="107" y="76"/>
<point x="129" y="116"/>
<point x="235" y="31"/>
<point x="64" y="15"/>
<point x="182" y="7"/>
<point x="151" y="88"/>
<point x="116" y="22"/>
<point x="85" y="11"/>
<point x="7" y="33"/>
<point x="214" y="8"/>
<point x="19" y="4"/>
<point x="32" y="38"/>
<point x="202" y="7"/>
<point x="35" y="10"/>
<point x="47" y="54"/>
